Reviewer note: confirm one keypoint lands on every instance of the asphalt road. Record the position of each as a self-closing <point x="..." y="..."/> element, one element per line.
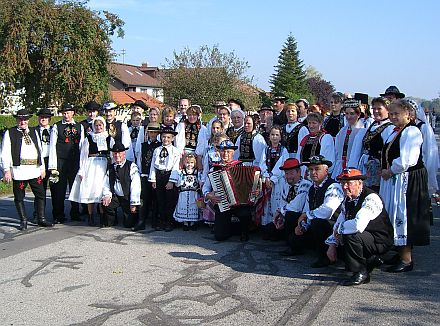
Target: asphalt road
<point x="78" y="275"/>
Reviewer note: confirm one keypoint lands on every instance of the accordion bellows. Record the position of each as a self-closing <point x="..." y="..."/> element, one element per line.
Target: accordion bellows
<point x="236" y="185"/>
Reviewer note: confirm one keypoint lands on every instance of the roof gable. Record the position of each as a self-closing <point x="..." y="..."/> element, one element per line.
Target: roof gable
<point x="131" y="75"/>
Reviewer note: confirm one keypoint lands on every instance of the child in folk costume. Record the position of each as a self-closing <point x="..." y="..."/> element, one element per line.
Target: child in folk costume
<point x="168" y="121"/>
<point x="94" y="158"/>
<point x="134" y="129"/>
<point x="273" y="157"/>
<point x="164" y="175"/>
<point x="144" y="154"/>
<point x="293" y="131"/>
<point x="187" y="210"/>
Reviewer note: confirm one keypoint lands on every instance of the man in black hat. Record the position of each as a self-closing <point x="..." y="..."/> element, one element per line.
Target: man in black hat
<point x="92" y="109"/>
<point x="122" y="188"/>
<point x="279" y="116"/>
<point x="363" y="228"/>
<point x="324" y="198"/>
<point x="392" y="93"/>
<point x="235" y="104"/>
<point x="23" y="164"/>
<point x="335" y="120"/>
<point x="66" y="138"/>
<point x="223" y="223"/>
<point x="116" y="129"/>
<point x="265" y="114"/>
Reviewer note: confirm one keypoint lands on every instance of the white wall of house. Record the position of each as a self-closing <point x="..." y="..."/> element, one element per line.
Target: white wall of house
<point x="155" y="92"/>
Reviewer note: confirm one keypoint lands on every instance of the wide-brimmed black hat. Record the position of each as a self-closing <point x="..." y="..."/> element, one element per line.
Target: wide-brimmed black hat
<point x="227" y="144"/>
<point x="22" y="114"/>
<point x="92" y="106"/>
<point x="45" y="112"/>
<point x="168" y="130"/>
<point x="141" y="104"/>
<point x="351" y="174"/>
<point x="393" y="90"/>
<point x="118" y="147"/>
<point x="266" y="108"/>
<point x="317" y="160"/>
<point x="67" y="107"/>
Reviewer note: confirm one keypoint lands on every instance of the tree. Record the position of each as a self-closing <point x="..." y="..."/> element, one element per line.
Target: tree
<point x="55" y="51"/>
<point x="321" y="90"/>
<point x="289" y="77"/>
<point x="207" y="75"/>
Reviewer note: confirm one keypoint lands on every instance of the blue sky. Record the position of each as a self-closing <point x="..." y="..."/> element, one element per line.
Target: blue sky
<point x="360" y="46"/>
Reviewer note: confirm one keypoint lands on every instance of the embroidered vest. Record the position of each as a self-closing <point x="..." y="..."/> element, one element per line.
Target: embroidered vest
<point x="67" y="146"/>
<point x="16" y="137"/>
<point x="290" y="139"/>
<point x="246" y="146"/>
<point x="147" y="150"/>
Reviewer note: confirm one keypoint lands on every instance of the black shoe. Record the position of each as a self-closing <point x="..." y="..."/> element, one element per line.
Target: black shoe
<point x="193" y="227"/>
<point x="244" y="237"/>
<point x="291" y="252"/>
<point x="401" y="267"/>
<point x="168" y="228"/>
<point x="59" y="220"/>
<point x="23" y="225"/>
<point x="357" y="279"/>
<point x="42" y="222"/>
<point x="321" y="262"/>
<point x="185" y="227"/>
<point x="138" y="227"/>
<point x="374" y="262"/>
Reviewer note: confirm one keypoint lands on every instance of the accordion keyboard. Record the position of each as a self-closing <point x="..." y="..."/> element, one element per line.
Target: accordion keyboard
<point x="222" y="188"/>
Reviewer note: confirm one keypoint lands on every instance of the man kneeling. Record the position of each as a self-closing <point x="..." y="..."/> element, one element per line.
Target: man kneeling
<point x="362" y="228"/>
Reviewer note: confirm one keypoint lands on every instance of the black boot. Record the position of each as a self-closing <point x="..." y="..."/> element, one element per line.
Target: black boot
<point x="22" y="214"/>
<point x="41" y="220"/>
<point x="140" y="224"/>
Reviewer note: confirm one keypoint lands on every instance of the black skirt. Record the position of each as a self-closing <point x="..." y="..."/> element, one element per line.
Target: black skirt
<point x="418" y="204"/>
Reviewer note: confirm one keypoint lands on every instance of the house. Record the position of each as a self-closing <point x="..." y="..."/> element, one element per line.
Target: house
<point x="130" y="83"/>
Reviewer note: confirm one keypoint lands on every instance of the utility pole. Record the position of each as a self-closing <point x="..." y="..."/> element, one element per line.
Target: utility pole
<point x="123" y="51"/>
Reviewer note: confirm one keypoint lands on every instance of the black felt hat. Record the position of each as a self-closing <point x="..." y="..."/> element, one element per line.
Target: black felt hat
<point x="92" y="106"/>
<point x="393" y="90"/>
<point x="317" y="160"/>
<point x="45" y="112"/>
<point x="141" y="104"/>
<point x="67" y="107"/>
<point x="168" y="130"/>
<point x="23" y="114"/>
<point x="280" y="97"/>
<point x="361" y="97"/>
<point x="118" y="147"/>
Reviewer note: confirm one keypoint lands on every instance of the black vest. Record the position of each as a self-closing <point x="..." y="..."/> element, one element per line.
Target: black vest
<point x="380" y="228"/>
<point x="333" y="123"/>
<point x="317" y="195"/>
<point x="247" y="146"/>
<point x="16" y="137"/>
<point x="124" y="179"/>
<point x="391" y="151"/>
<point x="68" y="145"/>
<point x="93" y="147"/>
<point x="372" y="143"/>
<point x="290" y="139"/>
<point x="147" y="150"/>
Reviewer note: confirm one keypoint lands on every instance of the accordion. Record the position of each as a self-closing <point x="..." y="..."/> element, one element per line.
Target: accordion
<point x="236" y="185"/>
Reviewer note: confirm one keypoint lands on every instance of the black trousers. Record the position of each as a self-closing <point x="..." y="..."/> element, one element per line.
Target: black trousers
<point x="68" y="171"/>
<point x="290" y="223"/>
<point x="110" y="212"/>
<point x="149" y="201"/>
<point x="358" y="248"/>
<point x="223" y="224"/>
<point x="315" y="237"/>
<point x="19" y="187"/>
<point x="166" y="199"/>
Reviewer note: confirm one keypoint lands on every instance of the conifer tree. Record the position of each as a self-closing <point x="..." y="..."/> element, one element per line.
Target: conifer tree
<point x="290" y="77"/>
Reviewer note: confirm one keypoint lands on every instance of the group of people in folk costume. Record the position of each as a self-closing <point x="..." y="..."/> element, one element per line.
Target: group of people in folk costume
<point x="385" y="161"/>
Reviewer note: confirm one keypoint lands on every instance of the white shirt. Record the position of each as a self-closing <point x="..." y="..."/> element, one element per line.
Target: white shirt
<point x="21" y="172"/>
<point x="169" y="163"/>
<point x="332" y="200"/>
<point x="135" y="185"/>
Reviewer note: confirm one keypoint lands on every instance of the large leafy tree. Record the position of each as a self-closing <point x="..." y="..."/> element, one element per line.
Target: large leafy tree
<point x="321" y="90"/>
<point x="290" y="77"/>
<point x="55" y="51"/>
<point x="207" y="75"/>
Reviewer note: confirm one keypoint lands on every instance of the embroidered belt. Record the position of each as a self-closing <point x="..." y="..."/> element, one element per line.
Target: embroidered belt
<point x="25" y="161"/>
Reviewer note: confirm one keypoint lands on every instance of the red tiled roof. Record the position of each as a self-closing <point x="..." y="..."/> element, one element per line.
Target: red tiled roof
<point x="131" y="75"/>
<point x="122" y="97"/>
